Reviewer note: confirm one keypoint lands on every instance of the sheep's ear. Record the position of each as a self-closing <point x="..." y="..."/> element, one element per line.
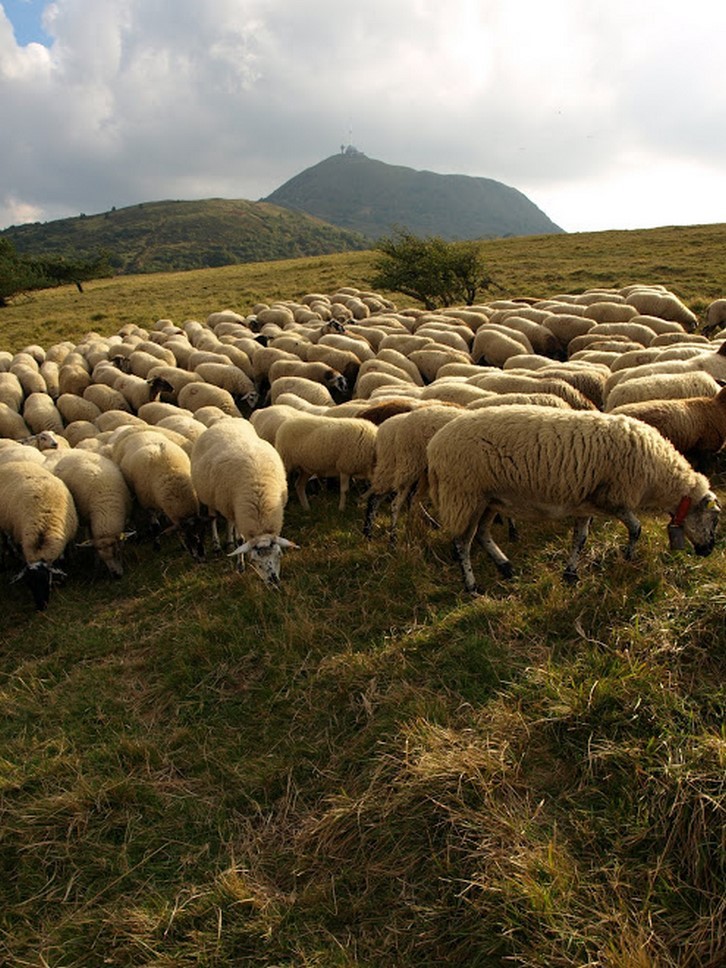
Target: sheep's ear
<point x="125" y="535"/>
<point x="285" y="543"/>
<point x="85" y="544"/>
<point x="241" y="550"/>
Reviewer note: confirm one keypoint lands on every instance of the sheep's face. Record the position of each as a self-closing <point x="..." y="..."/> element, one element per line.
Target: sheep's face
<point x="109" y="551"/>
<point x="701" y="522"/>
<point x="39" y="578"/>
<point x="264" y="554"/>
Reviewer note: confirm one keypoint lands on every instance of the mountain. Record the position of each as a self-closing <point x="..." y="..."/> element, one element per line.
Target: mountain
<point x="171" y="236"/>
<point x="371" y="197"/>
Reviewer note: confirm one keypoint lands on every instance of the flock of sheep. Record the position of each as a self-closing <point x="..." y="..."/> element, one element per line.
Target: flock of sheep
<point x="601" y="403"/>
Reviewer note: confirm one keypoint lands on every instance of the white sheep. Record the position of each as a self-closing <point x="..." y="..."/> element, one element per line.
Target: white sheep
<point x="11" y="391"/>
<point x="320" y="446"/>
<point x="301" y="386"/>
<point x="661" y="386"/>
<point x="158" y="472"/>
<point x="41" y="413"/>
<point x="694" y="425"/>
<point x="532" y="461"/>
<point x="12" y="424"/>
<point x="194" y="396"/>
<point x="38" y="514"/>
<point x="242" y="478"/>
<point x="102" y="499"/>
<point x="401" y="464"/>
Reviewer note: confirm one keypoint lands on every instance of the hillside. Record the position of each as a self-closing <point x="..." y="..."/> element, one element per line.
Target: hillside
<point x="171" y="236"/>
<point x="370" y="197"/>
<point x="365" y="767"/>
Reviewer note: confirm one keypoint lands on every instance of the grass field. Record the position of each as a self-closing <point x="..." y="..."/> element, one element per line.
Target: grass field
<point x="368" y="767"/>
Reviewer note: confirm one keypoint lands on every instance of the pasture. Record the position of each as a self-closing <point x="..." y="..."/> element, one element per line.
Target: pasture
<point x="368" y="767"/>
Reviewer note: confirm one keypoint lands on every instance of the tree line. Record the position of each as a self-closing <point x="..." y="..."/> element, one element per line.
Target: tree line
<point x="21" y="273"/>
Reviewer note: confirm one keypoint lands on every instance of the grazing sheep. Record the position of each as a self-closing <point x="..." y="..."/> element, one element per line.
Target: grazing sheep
<point x="509" y="382"/>
<point x="41" y="413"/>
<point x="158" y="471"/>
<point x="79" y="430"/>
<point x="102" y="499"/>
<point x="335" y="382"/>
<point x="324" y="447"/>
<point x="661" y="386"/>
<point x="73" y="375"/>
<point x="525" y="461"/>
<point x="715" y="316"/>
<point x="11" y="391"/>
<point x="12" y="424"/>
<point x="38" y="514"/>
<point x="494" y="345"/>
<point x="241" y="477"/>
<point x="694" y="425"/>
<point x="231" y="378"/>
<point x="652" y="302"/>
<point x="72" y="407"/>
<point x="400" y="464"/>
<point x="105" y="397"/>
<point x="194" y="396"/>
<point x="309" y="390"/>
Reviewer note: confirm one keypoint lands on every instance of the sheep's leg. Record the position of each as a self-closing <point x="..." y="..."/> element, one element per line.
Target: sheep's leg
<point x="504" y="565"/>
<point x="401" y="496"/>
<point x="634" y="528"/>
<point x="300" y="484"/>
<point x="344" y="486"/>
<point x="580" y="532"/>
<point x="372" y="505"/>
<point x="462" y="553"/>
<point x="216" y="543"/>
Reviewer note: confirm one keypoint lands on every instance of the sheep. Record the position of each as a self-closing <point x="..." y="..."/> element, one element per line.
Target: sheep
<point x="193" y="396"/>
<point x="50" y="371"/>
<point x="72" y="407"/>
<point x="105" y="397"/>
<point x="267" y="420"/>
<point x="73" y="375"/>
<point x="102" y="499"/>
<point x="652" y="302"/>
<point x="664" y="386"/>
<point x="158" y="472"/>
<point x="41" y="413"/>
<point x="527" y="460"/>
<point x="29" y="377"/>
<point x="534" y="399"/>
<point x="508" y="382"/>
<point x="316" y="445"/>
<point x="12" y="424"/>
<point x="38" y="514"/>
<point x="309" y="390"/>
<point x="400" y="464"/>
<point x="694" y="425"/>
<point x="430" y="359"/>
<point x="335" y="382"/>
<point x="715" y="316"/>
<point x="11" y="391"/>
<point x="79" y="430"/>
<point x="494" y="344"/>
<point x="231" y="378"/>
<point x="343" y="361"/>
<point x="242" y="477"/>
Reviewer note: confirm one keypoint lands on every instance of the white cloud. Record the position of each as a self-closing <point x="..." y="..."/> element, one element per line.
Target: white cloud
<point x="572" y="103"/>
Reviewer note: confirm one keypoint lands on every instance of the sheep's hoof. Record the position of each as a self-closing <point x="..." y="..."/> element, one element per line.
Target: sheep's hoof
<point x="505" y="569"/>
<point x="570" y="577"/>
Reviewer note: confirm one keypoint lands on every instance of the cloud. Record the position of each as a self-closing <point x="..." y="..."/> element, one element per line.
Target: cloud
<point x="132" y="101"/>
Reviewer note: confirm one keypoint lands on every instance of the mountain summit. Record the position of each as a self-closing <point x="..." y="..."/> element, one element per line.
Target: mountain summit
<point x="363" y="195"/>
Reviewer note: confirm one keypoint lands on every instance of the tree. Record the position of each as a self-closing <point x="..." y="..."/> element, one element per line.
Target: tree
<point x="436" y="272"/>
<point x="22" y="273"/>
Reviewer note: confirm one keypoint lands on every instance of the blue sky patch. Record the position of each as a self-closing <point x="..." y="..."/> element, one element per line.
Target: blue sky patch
<point x="26" y="18"/>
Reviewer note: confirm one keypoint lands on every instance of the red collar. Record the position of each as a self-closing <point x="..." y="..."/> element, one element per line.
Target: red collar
<point x="679" y="516"/>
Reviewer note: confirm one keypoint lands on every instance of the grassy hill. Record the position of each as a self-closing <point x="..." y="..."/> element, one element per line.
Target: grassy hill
<point x="370" y="197"/>
<point x="368" y="768"/>
<point x="175" y="235"/>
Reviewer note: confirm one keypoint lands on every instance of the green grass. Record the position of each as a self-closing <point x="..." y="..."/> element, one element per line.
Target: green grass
<point x="366" y="767"/>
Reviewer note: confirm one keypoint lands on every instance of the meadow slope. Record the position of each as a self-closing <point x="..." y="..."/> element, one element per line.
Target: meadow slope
<point x="368" y="767"/>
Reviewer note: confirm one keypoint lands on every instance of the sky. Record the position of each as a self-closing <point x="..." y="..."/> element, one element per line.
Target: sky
<point x="607" y="114"/>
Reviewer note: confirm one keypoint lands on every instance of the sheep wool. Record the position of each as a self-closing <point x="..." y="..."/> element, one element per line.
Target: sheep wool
<point x="318" y="446"/>
<point x="242" y="478"/>
<point x="526" y="461"/>
<point x="38" y="513"/>
<point x="102" y="499"/>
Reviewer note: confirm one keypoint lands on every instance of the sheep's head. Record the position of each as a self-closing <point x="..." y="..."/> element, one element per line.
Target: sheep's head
<point x="39" y="576"/>
<point x="264" y="553"/>
<point x="698" y="522"/>
<point x="109" y="550"/>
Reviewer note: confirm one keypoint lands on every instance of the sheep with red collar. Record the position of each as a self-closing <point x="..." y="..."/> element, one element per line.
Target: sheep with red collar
<point x="241" y="477"/>
<point x="526" y="461"/>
